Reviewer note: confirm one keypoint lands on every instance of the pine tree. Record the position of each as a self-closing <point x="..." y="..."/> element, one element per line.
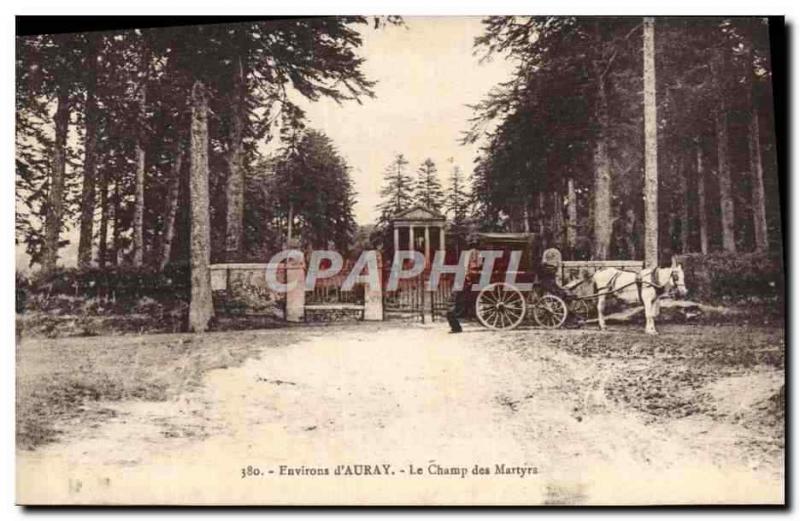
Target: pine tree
<point x="33" y="144"/>
<point x="457" y="205"/>
<point x="315" y="56"/>
<point x="313" y="190"/>
<point x="427" y="189"/>
<point x="49" y="103"/>
<point x="458" y="196"/>
<point x="397" y="196"/>
<point x="397" y="191"/>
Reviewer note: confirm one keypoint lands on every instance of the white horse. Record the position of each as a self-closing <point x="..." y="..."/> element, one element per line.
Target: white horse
<point x="646" y="286"/>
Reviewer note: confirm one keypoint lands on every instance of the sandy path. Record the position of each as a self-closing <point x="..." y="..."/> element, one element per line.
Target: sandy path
<point x="404" y="396"/>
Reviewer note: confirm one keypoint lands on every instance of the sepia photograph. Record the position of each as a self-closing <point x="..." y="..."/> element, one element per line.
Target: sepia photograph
<point x="400" y="261"/>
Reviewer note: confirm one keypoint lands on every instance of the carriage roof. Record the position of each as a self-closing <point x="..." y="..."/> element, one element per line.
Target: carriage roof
<point x="509" y="237"/>
<point x="525" y="242"/>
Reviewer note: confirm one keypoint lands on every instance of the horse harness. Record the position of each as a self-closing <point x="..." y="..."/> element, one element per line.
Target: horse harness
<point x="651" y="280"/>
<point x="659" y="289"/>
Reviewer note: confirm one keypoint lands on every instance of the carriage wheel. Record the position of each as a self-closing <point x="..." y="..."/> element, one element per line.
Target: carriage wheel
<point x="549" y="311"/>
<point x="581" y="309"/>
<point x="500" y="306"/>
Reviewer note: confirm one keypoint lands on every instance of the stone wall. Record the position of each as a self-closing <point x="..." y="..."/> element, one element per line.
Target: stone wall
<point x="242" y="290"/>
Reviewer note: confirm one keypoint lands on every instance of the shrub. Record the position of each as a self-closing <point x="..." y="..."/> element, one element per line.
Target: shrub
<point x="72" y="302"/>
<point x="122" y="285"/>
<point x="736" y="277"/>
<point x="21" y="285"/>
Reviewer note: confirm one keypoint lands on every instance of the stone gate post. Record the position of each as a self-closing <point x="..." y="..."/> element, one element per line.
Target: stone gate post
<point x="373" y="297"/>
<point x="295" y="296"/>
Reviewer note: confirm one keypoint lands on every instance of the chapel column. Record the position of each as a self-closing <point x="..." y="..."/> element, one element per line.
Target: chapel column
<point x="427" y="245"/>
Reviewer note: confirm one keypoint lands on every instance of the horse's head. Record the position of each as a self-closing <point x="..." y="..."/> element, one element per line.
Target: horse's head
<point x="676" y="278"/>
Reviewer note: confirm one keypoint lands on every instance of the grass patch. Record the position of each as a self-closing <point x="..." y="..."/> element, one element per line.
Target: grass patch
<point x="58" y="378"/>
<point x="670" y="376"/>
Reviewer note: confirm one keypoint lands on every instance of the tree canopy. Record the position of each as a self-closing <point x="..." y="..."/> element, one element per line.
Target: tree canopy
<point x="568" y="126"/>
<point x="123" y="113"/>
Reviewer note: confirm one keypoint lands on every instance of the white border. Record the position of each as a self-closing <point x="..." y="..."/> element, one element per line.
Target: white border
<point x="303" y="7"/>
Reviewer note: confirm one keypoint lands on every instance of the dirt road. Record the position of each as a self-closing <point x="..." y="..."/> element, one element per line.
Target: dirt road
<point x="546" y="424"/>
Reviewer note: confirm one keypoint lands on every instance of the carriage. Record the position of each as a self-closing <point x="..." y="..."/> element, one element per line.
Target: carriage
<point x="503" y="305"/>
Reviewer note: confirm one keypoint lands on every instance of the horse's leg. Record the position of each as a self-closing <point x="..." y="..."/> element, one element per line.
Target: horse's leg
<point x="656" y="307"/>
<point x="648" y="298"/>
<point x="601" y="321"/>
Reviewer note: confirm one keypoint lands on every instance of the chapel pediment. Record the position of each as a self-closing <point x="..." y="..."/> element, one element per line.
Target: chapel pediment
<point x="418" y="213"/>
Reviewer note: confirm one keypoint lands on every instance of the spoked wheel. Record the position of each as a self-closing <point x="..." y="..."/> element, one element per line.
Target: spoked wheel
<point x="500" y="306"/>
<point x="549" y="311"/>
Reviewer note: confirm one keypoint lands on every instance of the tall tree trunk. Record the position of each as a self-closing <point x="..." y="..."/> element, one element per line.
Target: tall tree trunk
<point x="650" y="147"/>
<point x="603" y="223"/>
<point x="235" y="186"/>
<point x="201" y="306"/>
<point x="602" y="218"/>
<point x="724" y="173"/>
<point x="702" y="216"/>
<point x="138" y="208"/>
<point x="756" y="166"/>
<point x="723" y="166"/>
<point x="572" y="215"/>
<point x="89" y="163"/>
<point x="558" y="220"/>
<point x="540" y="217"/>
<point x="116" y="240"/>
<point x="526" y="222"/>
<point x="290" y="222"/>
<point x="55" y="197"/>
<point x="632" y="234"/>
<point x="672" y="224"/>
<point x="757" y="171"/>
<point x="683" y="193"/>
<point x="102" y="241"/>
<point x="172" y="207"/>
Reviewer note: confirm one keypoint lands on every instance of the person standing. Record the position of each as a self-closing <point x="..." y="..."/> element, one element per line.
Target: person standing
<point x="457" y="305"/>
<point x="455" y="309"/>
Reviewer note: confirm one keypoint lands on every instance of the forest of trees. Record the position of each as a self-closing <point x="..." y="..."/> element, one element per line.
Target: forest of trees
<point x="567" y="157"/>
<point x="304" y="192"/>
<point x="104" y="138"/>
<point x="149" y="144"/>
